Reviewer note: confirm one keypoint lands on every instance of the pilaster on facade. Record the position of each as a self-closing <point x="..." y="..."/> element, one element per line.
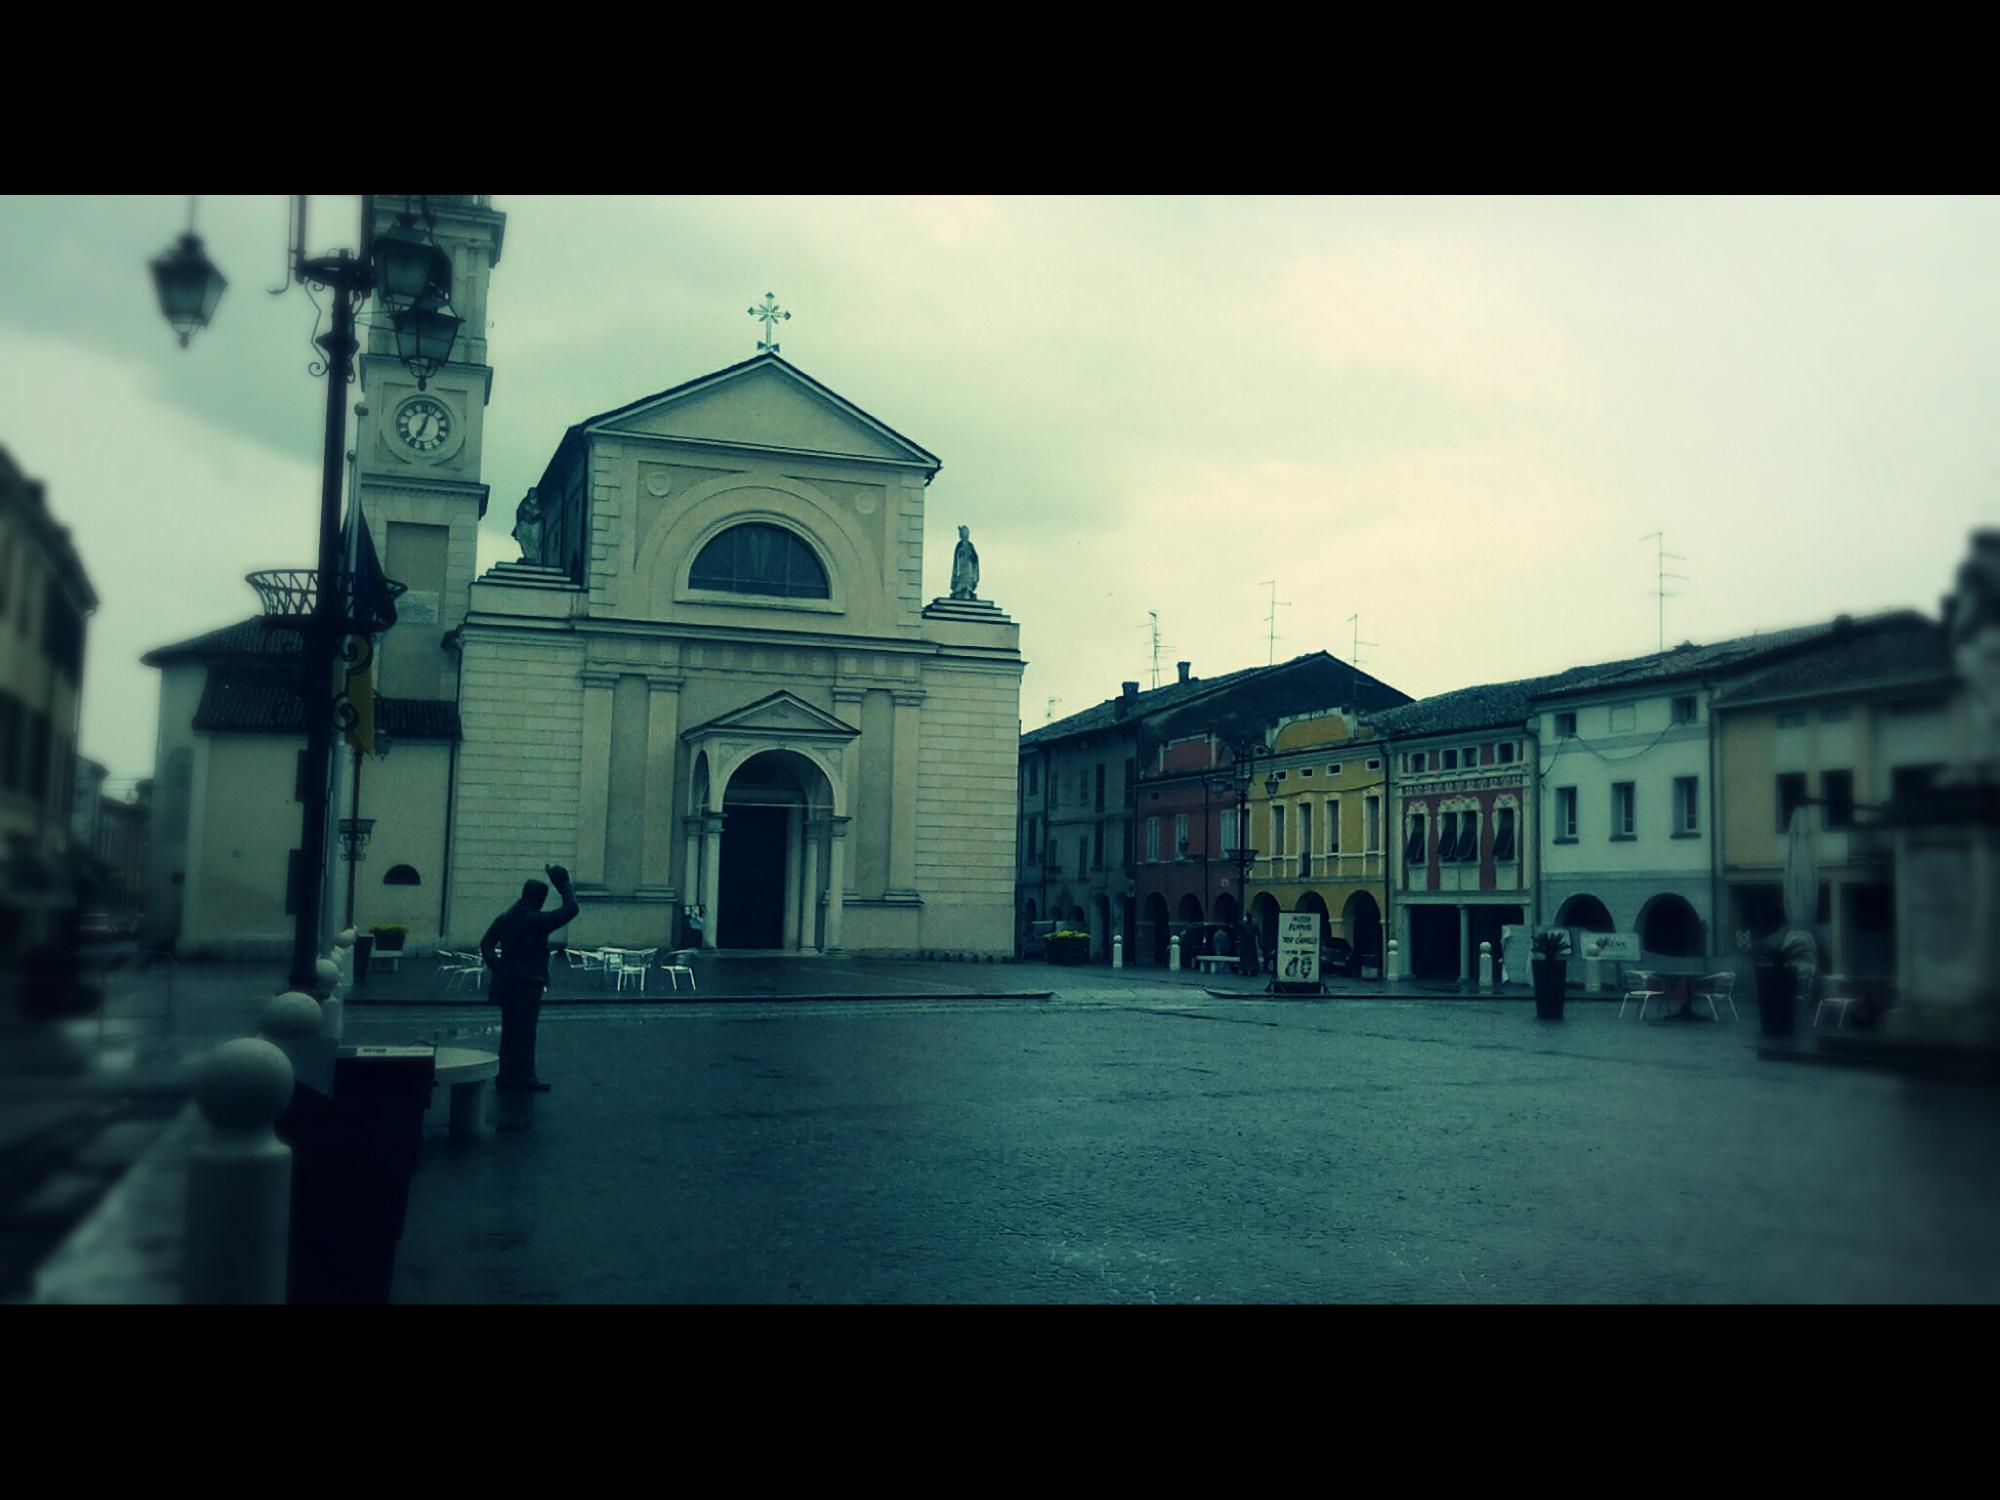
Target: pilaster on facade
<point x="663" y="707"/>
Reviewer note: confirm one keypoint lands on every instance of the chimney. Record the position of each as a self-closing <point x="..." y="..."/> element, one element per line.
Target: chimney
<point x="1183" y="666"/>
<point x="1122" y="705"/>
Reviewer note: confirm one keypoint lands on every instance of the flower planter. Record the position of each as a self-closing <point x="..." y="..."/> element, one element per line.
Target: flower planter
<point x="1551" y="975"/>
<point x="1777" y="1000"/>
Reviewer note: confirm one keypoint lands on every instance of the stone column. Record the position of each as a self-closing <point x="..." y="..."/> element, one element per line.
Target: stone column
<point x="847" y="705"/>
<point x="794" y="869"/>
<point x="903" y="795"/>
<point x="836" y="882"/>
<point x="691" y="859"/>
<point x="594" y="794"/>
<point x="711" y="875"/>
<point x="663" y="717"/>
<point x="809" y="890"/>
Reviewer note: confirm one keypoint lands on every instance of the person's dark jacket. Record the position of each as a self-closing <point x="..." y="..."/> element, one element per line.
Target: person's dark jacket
<point x="516" y="946"/>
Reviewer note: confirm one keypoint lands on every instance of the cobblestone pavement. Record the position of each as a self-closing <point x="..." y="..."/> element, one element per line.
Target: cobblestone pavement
<point x="1124" y="1143"/>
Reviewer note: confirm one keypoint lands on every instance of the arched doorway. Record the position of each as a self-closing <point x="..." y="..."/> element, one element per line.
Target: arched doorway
<point x="773" y="870"/>
<point x="1157" y="933"/>
<point x="1225" y="910"/>
<point x="1189" y="910"/>
<point x="1362" y="919"/>
<point x="1312" y="901"/>
<point x="1668" y="925"/>
<point x="1587" y="913"/>
<point x="1264" y="918"/>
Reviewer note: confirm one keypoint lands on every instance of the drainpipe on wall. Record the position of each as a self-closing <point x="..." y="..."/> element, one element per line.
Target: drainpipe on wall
<point x="1715" y="918"/>
<point x="1535" y="791"/>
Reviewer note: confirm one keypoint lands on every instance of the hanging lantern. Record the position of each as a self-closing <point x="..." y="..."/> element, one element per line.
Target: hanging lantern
<point x="189" y="286"/>
<point x="425" y="333"/>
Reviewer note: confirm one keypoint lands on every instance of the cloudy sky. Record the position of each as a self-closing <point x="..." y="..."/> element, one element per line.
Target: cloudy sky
<point x="1456" y="418"/>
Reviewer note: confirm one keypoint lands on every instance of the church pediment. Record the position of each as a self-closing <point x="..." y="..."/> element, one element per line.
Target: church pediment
<point x="764" y="404"/>
<point x="780" y="716"/>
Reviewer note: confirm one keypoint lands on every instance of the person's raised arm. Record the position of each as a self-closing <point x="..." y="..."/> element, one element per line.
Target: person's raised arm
<point x="563" y="915"/>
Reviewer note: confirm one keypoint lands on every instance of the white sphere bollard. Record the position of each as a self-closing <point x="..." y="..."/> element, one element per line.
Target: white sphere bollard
<point x="239" y="1190"/>
<point x="1392" y="963"/>
<point x="333" y="982"/>
<point x="292" y="1016"/>
<point x="1174" y="954"/>
<point x="1486" y="966"/>
<point x="1118" y="951"/>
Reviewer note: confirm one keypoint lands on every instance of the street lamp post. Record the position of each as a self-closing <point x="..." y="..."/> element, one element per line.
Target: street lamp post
<point x="412" y="276"/>
<point x="1244" y="755"/>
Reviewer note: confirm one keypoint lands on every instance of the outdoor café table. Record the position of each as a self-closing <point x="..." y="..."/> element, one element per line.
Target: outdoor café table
<point x="1681" y="987"/>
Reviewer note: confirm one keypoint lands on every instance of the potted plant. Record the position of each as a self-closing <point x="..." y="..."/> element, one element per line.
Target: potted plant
<point x="1551" y="971"/>
<point x="1777" y="959"/>
<point x="1067" y="946"/>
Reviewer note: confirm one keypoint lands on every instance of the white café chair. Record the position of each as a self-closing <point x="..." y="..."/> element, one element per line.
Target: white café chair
<point x="1716" y="988"/>
<point x="676" y="965"/>
<point x="638" y="962"/>
<point x="1652" y="987"/>
<point x="612" y="962"/>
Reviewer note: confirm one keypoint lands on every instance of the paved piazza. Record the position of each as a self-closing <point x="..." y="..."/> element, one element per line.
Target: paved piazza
<point x="1154" y="1145"/>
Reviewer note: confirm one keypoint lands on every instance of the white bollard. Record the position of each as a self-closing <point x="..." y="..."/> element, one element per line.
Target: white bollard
<point x="1486" y="966"/>
<point x="239" y="1190"/>
<point x="292" y="1016"/>
<point x="1392" y="964"/>
<point x="1174" y="954"/>
<point x="1118" y="950"/>
<point x="332" y="1008"/>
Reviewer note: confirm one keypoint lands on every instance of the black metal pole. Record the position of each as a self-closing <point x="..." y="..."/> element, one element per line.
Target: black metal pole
<point x="322" y="633"/>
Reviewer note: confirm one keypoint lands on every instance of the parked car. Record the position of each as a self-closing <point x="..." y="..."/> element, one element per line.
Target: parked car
<point x="1337" y="956"/>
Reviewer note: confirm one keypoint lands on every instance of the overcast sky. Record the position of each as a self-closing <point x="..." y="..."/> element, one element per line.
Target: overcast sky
<point x="1455" y="418"/>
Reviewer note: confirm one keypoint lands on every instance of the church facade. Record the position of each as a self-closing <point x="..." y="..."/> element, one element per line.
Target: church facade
<point x="714" y="689"/>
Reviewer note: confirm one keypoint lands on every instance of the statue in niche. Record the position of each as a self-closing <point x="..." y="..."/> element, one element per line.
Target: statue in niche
<point x="528" y="527"/>
<point x="964" y="567"/>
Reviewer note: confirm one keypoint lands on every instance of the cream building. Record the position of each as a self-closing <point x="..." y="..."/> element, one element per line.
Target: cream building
<point x="716" y="685"/>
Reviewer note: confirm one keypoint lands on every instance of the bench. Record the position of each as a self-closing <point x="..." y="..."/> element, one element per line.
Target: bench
<point x="1214" y="963"/>
<point x="469" y="1074"/>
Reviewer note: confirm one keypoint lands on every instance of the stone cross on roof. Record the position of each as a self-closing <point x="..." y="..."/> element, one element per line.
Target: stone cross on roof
<point x="769" y="314"/>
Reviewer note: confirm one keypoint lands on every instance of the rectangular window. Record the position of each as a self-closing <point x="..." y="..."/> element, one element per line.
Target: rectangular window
<point x="1100" y="790"/>
<point x="1566" y="813"/>
<point x="1506" y="752"/>
<point x="1413" y="847"/>
<point x="1125" y="845"/>
<point x="1624" y="718"/>
<point x="1911" y="781"/>
<point x="1471" y="757"/>
<point x="1334" y="769"/>
<point x="1232" y="820"/>
<point x="1468" y="838"/>
<point x="1417" y="761"/>
<point x="1687" y="804"/>
<point x="1306" y="771"/>
<point x="1034" y="841"/>
<point x="1503" y="836"/>
<point x="1837" y="790"/>
<point x="1683" y="711"/>
<point x="1097" y="847"/>
<point x="1180" y="836"/>
<point x="1793" y="720"/>
<point x="1153" y="840"/>
<point x="1034" y="777"/>
<point x="1305" y="838"/>
<point x="1277" y="850"/>
<point x="1373" y="765"/>
<point x="1371" y="810"/>
<point x="1447" y="837"/>
<point x="1333" y="825"/>
<point x="1624" y="810"/>
<point x="1791" y="797"/>
<point x="1448" y="761"/>
<point x="1565" y="726"/>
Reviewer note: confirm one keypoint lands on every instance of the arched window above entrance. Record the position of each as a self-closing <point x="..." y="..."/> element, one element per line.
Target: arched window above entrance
<point x="756" y="558"/>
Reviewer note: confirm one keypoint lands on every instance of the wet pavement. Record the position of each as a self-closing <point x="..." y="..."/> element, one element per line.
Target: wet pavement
<point x="1127" y="1142"/>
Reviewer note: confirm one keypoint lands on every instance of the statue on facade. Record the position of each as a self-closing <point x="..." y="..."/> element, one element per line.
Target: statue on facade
<point x="964" y="567"/>
<point x="1975" y="604"/>
<point x="528" y="527"/>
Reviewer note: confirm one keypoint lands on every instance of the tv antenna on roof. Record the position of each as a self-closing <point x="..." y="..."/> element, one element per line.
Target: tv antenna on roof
<point x="1354" y="656"/>
<point x="1154" y="616"/>
<point x="1272" y="618"/>
<point x="1660" y="590"/>
<point x="1048" y="714"/>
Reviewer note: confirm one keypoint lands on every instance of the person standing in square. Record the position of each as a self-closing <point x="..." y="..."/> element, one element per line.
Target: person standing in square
<point x="516" y="949"/>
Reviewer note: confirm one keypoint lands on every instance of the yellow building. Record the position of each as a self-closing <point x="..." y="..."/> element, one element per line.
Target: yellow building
<point x="1319" y="838"/>
<point x="1841" y="733"/>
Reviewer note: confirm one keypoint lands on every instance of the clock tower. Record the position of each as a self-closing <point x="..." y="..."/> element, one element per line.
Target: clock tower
<point x="417" y="452"/>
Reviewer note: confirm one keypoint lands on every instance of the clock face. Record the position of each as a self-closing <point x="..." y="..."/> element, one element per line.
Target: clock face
<point x="423" y="424"/>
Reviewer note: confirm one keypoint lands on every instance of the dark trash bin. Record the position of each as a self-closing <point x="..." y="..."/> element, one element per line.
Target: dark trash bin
<point x="353" y="1153"/>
